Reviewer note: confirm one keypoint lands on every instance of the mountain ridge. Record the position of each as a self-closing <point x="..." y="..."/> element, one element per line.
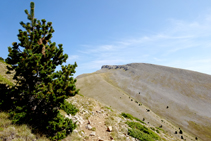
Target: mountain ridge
<point x="148" y="92"/>
<point x="95" y="121"/>
<point x="186" y="93"/>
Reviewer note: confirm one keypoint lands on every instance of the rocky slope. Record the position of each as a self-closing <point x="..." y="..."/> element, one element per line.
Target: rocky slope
<point x="174" y="98"/>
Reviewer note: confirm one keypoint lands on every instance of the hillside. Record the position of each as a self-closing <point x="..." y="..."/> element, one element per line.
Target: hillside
<point x="175" y="98"/>
<point x="95" y="121"/>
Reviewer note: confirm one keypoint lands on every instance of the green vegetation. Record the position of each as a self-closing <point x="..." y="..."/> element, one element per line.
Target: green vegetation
<point x="156" y="129"/>
<point x="5" y="81"/>
<point x="139" y="135"/>
<point x="93" y="129"/>
<point x="159" y="129"/>
<point x="129" y="116"/>
<point x="141" y="132"/>
<point x="108" y="108"/>
<point x="68" y="108"/>
<point x="110" y="121"/>
<point x="40" y="92"/>
<point x="139" y="120"/>
<point x="138" y="130"/>
<point x="152" y="128"/>
<point x="2" y="60"/>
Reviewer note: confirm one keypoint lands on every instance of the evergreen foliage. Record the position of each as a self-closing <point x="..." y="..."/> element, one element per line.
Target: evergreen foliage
<point x="39" y="91"/>
<point x="68" y="108"/>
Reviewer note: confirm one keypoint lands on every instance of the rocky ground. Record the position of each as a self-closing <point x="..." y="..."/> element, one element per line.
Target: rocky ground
<point x="99" y="122"/>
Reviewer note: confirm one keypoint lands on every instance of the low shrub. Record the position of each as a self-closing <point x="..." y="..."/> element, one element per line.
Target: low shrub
<point x="129" y="116"/>
<point x="144" y="131"/>
<point x="135" y="133"/>
<point x="159" y="128"/>
<point x="93" y="129"/>
<point x="108" y="108"/>
<point x="139" y="120"/>
<point x="152" y="128"/>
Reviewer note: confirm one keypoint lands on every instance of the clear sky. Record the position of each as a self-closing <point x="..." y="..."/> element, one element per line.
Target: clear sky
<point x="175" y="33"/>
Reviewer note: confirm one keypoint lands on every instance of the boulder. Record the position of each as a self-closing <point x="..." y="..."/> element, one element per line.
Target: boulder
<point x="89" y="127"/>
<point x="92" y="134"/>
<point x="109" y="128"/>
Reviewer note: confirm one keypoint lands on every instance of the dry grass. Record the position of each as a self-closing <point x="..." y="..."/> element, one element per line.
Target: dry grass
<point x="17" y="132"/>
<point x="87" y="104"/>
<point x="202" y="129"/>
<point x="73" y="137"/>
<point x="4" y="80"/>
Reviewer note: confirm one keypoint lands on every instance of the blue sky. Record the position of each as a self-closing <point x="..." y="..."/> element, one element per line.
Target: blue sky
<point x="175" y="33"/>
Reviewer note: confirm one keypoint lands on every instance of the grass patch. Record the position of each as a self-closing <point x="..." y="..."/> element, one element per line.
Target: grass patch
<point x="2" y="61"/>
<point x="5" y="80"/>
<point x="74" y="136"/>
<point x="110" y="121"/>
<point x="93" y="129"/>
<point x="87" y="116"/>
<point x="108" y="108"/>
<point x="20" y="132"/>
<point x="139" y="120"/>
<point x="129" y="116"/>
<point x="139" y="135"/>
<point x="81" y="94"/>
<point x="159" y="129"/>
<point x="141" y="132"/>
<point x="4" y="120"/>
<point x="152" y="128"/>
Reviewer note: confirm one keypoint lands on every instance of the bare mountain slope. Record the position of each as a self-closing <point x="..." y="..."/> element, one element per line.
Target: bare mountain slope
<point x="186" y="94"/>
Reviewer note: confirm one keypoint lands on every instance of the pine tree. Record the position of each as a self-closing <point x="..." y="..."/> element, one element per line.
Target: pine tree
<point x="39" y="91"/>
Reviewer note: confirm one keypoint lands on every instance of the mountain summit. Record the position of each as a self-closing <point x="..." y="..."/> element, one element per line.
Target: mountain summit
<point x="181" y="97"/>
